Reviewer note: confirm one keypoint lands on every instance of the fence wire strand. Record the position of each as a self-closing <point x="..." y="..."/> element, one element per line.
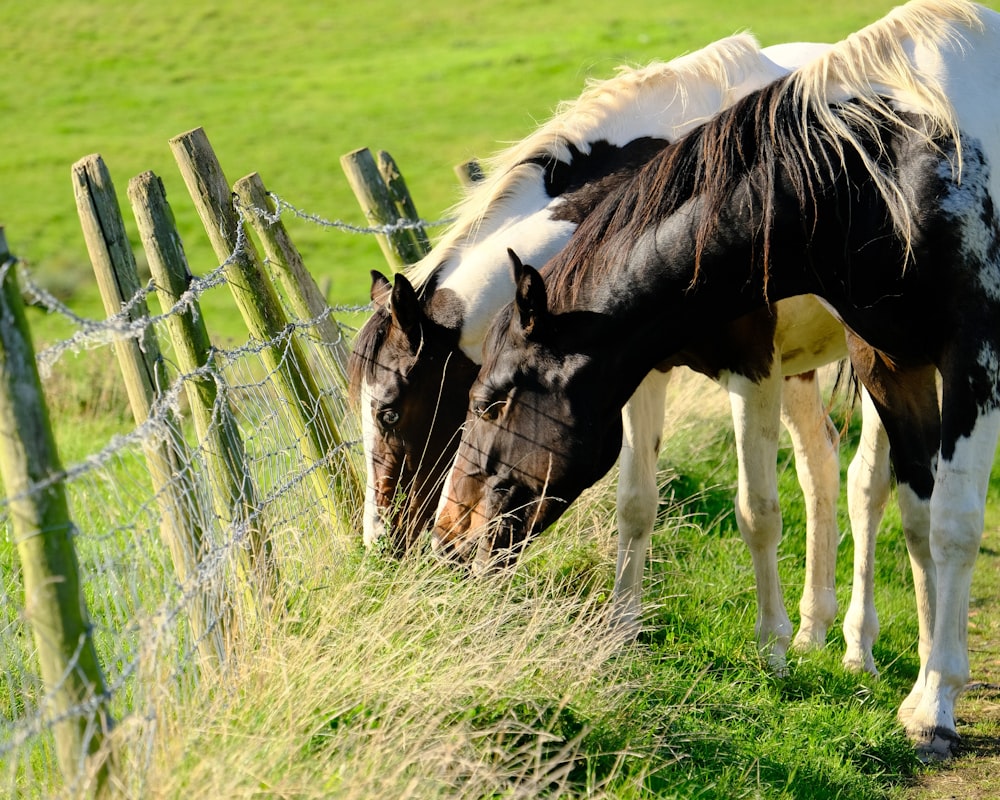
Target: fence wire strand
<point x="140" y="608"/>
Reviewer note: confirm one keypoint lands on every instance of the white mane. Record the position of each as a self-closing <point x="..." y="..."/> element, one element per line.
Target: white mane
<point x="666" y="98"/>
<point x="877" y="62"/>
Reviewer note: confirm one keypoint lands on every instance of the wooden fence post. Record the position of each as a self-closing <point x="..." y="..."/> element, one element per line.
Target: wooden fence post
<point x="145" y="377"/>
<point x="404" y="201"/>
<point x="233" y="490"/>
<point x="304" y="296"/>
<point x="310" y="418"/>
<point x="307" y="302"/>
<point x="379" y="206"/>
<point x="43" y="533"/>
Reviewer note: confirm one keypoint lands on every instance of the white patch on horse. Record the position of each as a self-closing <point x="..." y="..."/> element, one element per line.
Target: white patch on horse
<point x="957" y="513"/>
<point x="966" y="202"/>
<point x="373" y="526"/>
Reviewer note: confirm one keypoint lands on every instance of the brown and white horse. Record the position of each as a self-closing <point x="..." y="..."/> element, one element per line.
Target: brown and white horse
<point x="415" y="360"/>
<point x="870" y="178"/>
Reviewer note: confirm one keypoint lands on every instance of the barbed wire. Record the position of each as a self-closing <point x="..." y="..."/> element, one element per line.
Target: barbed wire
<point x="121" y="325"/>
<point x="388" y="229"/>
<point x="130" y="625"/>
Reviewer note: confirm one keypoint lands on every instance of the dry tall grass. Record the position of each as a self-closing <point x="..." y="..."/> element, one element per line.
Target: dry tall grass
<point x="394" y="681"/>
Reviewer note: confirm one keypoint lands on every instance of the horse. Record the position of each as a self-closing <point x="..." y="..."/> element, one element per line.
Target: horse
<point x="866" y="178"/>
<point x="416" y="358"/>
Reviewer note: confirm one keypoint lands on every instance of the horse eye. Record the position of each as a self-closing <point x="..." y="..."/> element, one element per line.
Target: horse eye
<point x="389" y="417"/>
<point x="489" y="410"/>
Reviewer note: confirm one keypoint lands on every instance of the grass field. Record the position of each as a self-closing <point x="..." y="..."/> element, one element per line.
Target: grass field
<point x="402" y="680"/>
<point x="286" y="89"/>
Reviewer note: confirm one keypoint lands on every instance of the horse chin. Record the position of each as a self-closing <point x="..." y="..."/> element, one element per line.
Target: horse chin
<point x="374" y="530"/>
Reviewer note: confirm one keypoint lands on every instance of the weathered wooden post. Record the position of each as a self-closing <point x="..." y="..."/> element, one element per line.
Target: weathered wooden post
<point x="145" y="377"/>
<point x="307" y="302"/>
<point x="380" y="207"/>
<point x="309" y="416"/>
<point x="401" y="196"/>
<point x="43" y="534"/>
<point x="232" y="488"/>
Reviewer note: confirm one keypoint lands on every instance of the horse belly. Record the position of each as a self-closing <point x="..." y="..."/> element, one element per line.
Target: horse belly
<point x="806" y="335"/>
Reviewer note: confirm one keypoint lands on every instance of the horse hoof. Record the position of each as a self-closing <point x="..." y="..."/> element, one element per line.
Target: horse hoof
<point x="809" y="640"/>
<point x="936" y="744"/>
<point x="859" y="664"/>
<point x="777" y="664"/>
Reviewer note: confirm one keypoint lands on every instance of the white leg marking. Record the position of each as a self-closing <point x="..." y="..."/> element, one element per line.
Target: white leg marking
<point x="817" y="465"/>
<point x="957" y="511"/>
<point x="756" y="410"/>
<point x="916" y="516"/>
<point x="642" y="420"/>
<point x="373" y="526"/>
<point x="868" y="484"/>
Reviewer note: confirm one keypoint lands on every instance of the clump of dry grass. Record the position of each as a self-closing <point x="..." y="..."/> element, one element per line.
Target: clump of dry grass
<point x="404" y="680"/>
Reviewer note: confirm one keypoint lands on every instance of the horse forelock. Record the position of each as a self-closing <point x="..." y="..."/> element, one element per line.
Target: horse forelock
<point x="717" y="67"/>
<point x="368" y="345"/>
<point x="801" y="124"/>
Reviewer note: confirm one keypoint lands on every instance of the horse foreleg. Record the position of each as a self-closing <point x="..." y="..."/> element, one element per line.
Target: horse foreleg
<point x="756" y="411"/>
<point x="817" y="465"/>
<point x="642" y="422"/>
<point x="868" y="484"/>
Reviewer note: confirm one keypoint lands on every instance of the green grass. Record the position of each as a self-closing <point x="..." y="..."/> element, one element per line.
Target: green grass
<point x="286" y="89"/>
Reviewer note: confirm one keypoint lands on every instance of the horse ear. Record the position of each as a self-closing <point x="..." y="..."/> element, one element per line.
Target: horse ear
<point x="530" y="298"/>
<point x="381" y="289"/>
<point x="406" y="309"/>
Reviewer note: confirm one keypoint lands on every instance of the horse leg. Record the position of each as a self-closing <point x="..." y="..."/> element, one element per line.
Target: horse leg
<point x="868" y="484"/>
<point x="642" y="422"/>
<point x="915" y="511"/>
<point x="956" y="526"/>
<point x="756" y="409"/>
<point x="816" y="442"/>
<point x="907" y="403"/>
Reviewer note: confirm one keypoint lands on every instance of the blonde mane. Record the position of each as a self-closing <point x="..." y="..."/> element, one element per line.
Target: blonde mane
<point x="873" y="63"/>
<point x="722" y="64"/>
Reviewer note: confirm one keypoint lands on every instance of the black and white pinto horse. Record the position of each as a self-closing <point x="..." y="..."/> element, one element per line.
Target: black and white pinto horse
<point x="868" y="178"/>
<point x="414" y="361"/>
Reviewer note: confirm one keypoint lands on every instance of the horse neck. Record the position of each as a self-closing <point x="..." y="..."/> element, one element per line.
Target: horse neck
<point x="478" y="276"/>
<point x="652" y="307"/>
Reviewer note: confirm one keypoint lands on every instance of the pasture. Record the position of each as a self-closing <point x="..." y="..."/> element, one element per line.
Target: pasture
<point x="387" y="679"/>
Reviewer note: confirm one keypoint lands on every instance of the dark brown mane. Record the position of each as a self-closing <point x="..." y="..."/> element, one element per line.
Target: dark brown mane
<point x="799" y="130"/>
<point x="752" y="139"/>
<point x="364" y="354"/>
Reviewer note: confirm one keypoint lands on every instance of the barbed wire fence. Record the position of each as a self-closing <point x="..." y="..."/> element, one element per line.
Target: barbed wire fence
<point x="190" y="528"/>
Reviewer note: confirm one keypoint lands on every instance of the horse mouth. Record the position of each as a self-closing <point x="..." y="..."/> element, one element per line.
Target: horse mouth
<point x="491" y="540"/>
<point x="486" y="549"/>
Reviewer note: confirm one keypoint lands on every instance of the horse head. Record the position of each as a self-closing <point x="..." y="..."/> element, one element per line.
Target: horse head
<point x="539" y="431"/>
<point x="411" y="381"/>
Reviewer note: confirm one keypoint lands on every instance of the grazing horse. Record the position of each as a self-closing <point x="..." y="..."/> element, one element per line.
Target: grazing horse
<point x="868" y="178"/>
<point x="416" y="358"/>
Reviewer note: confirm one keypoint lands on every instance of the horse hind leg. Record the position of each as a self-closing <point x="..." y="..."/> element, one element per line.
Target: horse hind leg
<point x="817" y="466"/>
<point x="957" y="511"/>
<point x="868" y="486"/>
<point x="907" y="402"/>
<point x="637" y="497"/>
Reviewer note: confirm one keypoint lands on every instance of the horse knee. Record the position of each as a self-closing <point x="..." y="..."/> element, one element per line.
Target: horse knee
<point x="759" y="519"/>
